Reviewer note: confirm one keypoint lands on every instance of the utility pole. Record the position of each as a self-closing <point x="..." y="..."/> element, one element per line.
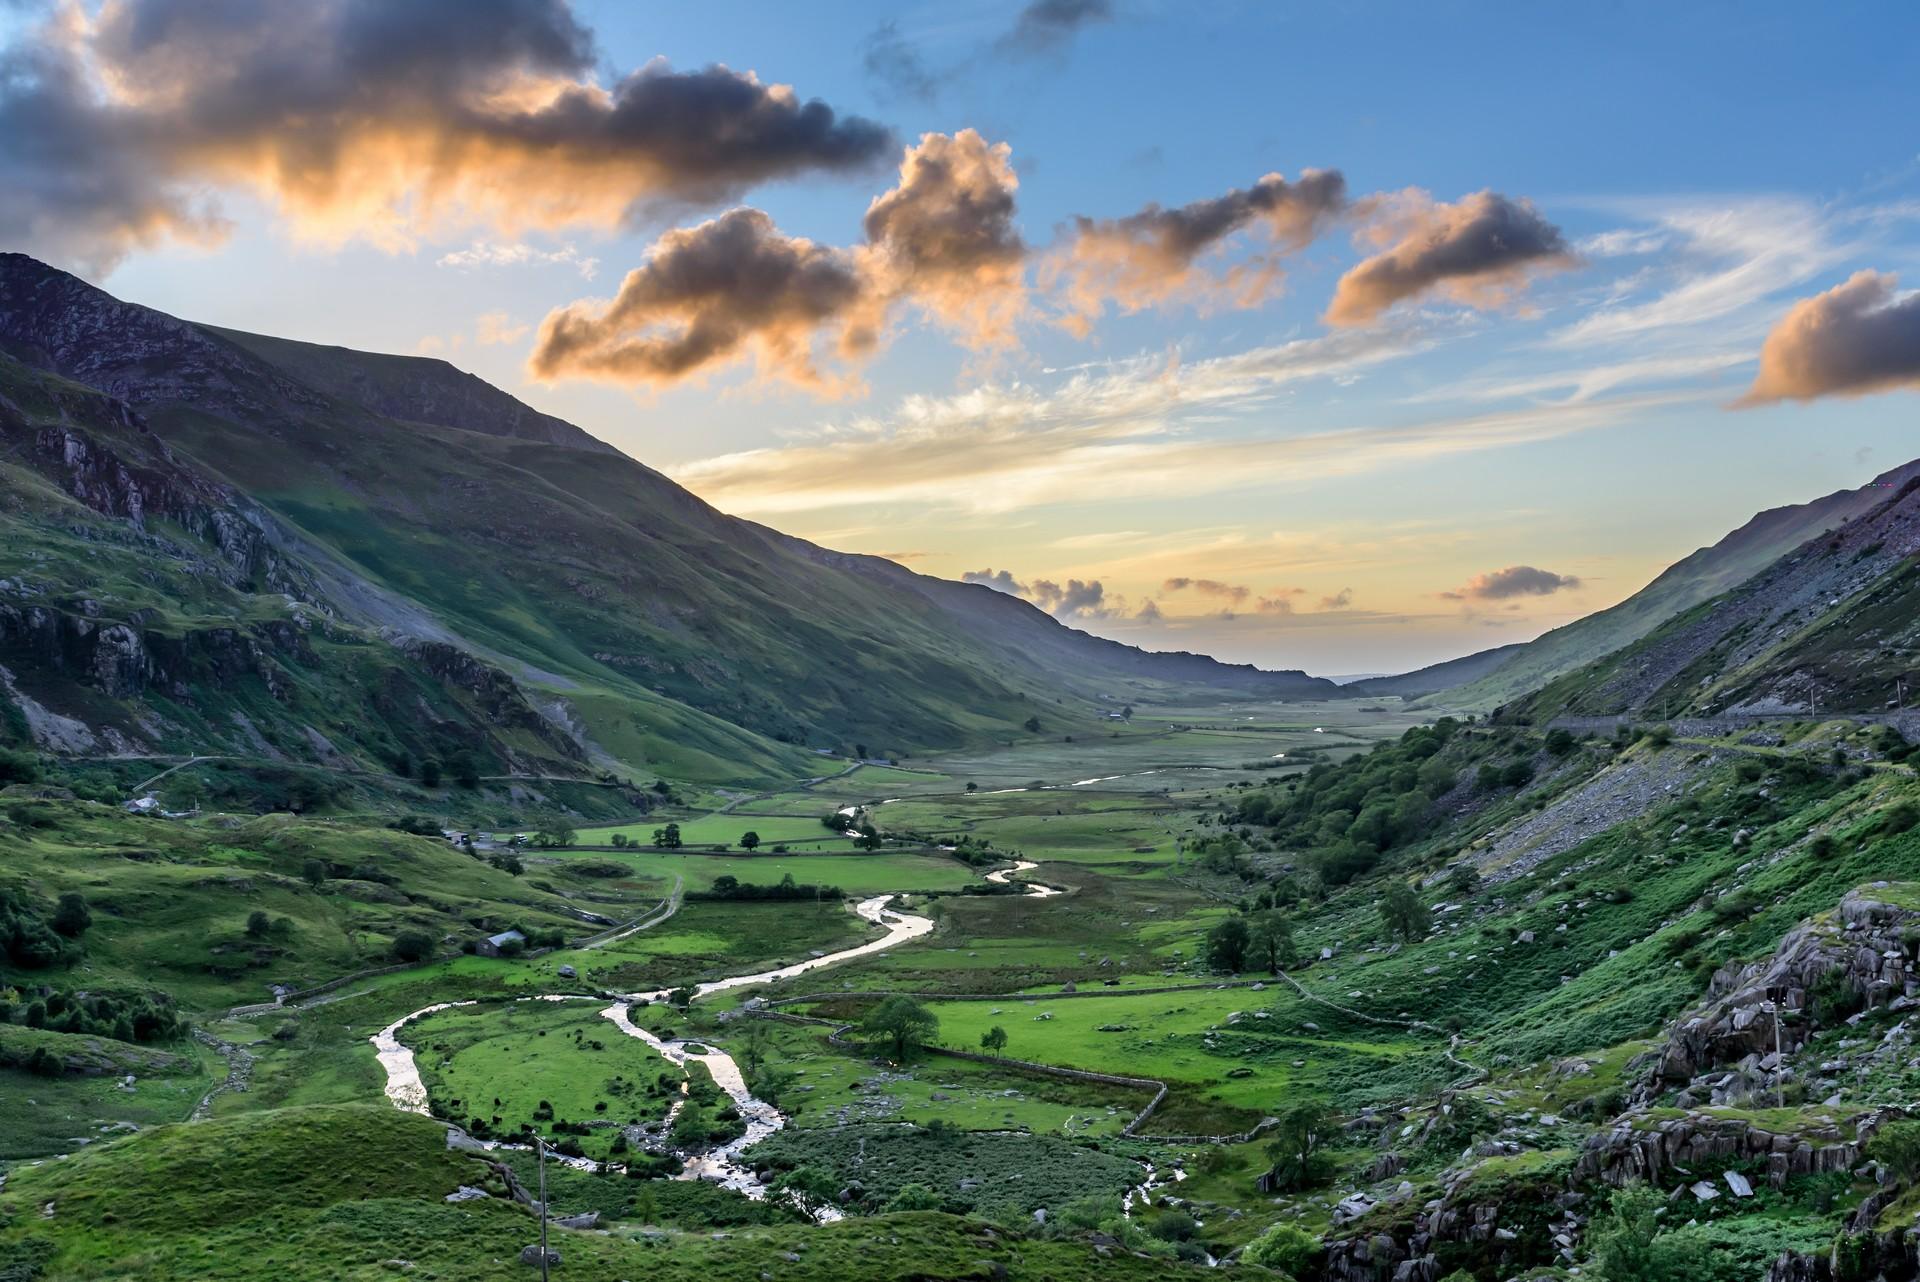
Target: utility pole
<point x="540" y="1147"/>
<point x="1779" y="1059"/>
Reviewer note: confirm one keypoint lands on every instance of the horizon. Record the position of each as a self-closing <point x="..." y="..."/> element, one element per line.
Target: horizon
<point x="1228" y="413"/>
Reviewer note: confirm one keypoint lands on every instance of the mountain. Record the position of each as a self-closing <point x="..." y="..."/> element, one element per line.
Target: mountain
<point x="1831" y="627"/>
<point x="223" y="542"/>
<point x="1699" y="577"/>
<point x="1439" y="676"/>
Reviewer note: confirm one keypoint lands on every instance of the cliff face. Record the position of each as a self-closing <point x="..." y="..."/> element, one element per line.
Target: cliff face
<point x="1868" y="948"/>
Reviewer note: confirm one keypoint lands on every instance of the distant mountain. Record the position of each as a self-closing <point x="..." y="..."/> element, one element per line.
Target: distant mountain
<point x="1699" y="577"/>
<point x="1832" y="626"/>
<point x="217" y="541"/>
<point x="1439" y="676"/>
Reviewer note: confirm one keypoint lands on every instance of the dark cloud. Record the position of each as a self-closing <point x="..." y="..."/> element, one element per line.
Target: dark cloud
<point x="1048" y="26"/>
<point x="896" y="66"/>
<point x="1274" y="605"/>
<point x="737" y="287"/>
<point x="1150" y="257"/>
<point x="370" y="119"/>
<point x="1338" y="601"/>
<point x="728" y="289"/>
<point x="1855" y="338"/>
<point x="1479" y="251"/>
<point x="1149" y="611"/>
<point x="1513" y="581"/>
<point x="998" y="580"/>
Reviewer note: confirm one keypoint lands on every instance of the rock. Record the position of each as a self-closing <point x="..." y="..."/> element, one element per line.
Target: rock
<point x="1705" y="1191"/>
<point x="466" y="1193"/>
<point x="1737" y="1183"/>
<point x="568" y="972"/>
<point x="1525" y="937"/>
<point x="584" y="1220"/>
<point x="530" y="1255"/>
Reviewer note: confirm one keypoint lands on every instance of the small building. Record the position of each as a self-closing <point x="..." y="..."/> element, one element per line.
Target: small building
<point x="497" y="945"/>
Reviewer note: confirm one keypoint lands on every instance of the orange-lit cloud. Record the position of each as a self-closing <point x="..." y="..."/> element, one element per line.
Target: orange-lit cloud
<point x="1151" y="258"/>
<point x="738" y="289"/>
<point x="1480" y="251"/>
<point x="1855" y="338"/>
<point x="374" y="121"/>
<point x="1512" y="581"/>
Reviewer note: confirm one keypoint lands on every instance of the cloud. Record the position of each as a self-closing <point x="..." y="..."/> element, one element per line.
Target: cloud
<point x="1149" y="611"/>
<point x="1513" y="581"/>
<point x="1730" y="257"/>
<point x="1338" y="601"/>
<point x="730" y="289"/>
<point x="1208" y="587"/>
<point x="737" y="289"/>
<point x="1479" y="252"/>
<point x="372" y="121"/>
<point x="1048" y="26"/>
<point x="1150" y="258"/>
<point x="490" y="254"/>
<point x="896" y="66"/>
<point x="1856" y="338"/>
<point x="1077" y="600"/>
<point x="498" y="327"/>
<point x="945" y="237"/>
<point x="998" y="580"/>
<point x="1274" y="604"/>
<point x="1124" y="437"/>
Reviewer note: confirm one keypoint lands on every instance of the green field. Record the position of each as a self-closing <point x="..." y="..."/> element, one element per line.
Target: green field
<point x="856" y="874"/>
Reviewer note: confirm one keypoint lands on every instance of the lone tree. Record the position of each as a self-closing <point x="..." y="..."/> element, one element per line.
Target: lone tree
<point x="667" y="838"/>
<point x="1302" y="1128"/>
<point x="1031" y="725"/>
<point x="900" y="1026"/>
<point x="869" y="838"/>
<point x="314" y="872"/>
<point x="71" y="916"/>
<point x="413" y="945"/>
<point x="749" y="840"/>
<point x="1227" y="945"/>
<point x="994" y="1040"/>
<point x="1402" y="913"/>
<point x="259" y="925"/>
<point x="1270" y="941"/>
<point x="808" y="1189"/>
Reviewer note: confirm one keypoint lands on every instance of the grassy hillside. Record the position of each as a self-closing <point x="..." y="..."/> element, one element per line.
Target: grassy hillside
<point x="392" y="525"/>
<point x="1699" y="577"/>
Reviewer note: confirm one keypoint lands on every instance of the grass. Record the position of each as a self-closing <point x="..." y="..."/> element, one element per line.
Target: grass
<point x="857" y="874"/>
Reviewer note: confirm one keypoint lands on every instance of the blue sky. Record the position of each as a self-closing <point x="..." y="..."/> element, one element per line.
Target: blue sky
<point x="1701" y="170"/>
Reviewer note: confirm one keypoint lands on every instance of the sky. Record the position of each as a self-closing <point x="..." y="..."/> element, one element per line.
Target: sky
<point x="1348" y="337"/>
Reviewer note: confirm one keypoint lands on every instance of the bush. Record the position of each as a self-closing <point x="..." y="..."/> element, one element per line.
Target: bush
<point x="413" y="945"/>
<point x="1896" y="1146"/>
<point x="1285" y="1247"/>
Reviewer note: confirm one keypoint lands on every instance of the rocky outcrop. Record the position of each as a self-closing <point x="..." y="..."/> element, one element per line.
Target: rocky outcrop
<point x="495" y="694"/>
<point x="122" y="660"/>
<point x="1676" y="1150"/>
<point x="1506" y="1224"/>
<point x="1863" y="947"/>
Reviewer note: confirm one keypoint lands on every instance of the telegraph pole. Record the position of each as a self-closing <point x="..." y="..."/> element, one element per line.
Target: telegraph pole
<point x="540" y="1147"/>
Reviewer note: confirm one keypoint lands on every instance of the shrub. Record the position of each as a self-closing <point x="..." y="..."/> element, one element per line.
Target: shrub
<point x="415" y="945"/>
<point x="1896" y="1146"/>
<point x="1285" y="1247"/>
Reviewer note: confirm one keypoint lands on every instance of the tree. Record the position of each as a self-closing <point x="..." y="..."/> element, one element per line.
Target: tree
<point x="1462" y="880"/>
<point x="972" y="786"/>
<point x="259" y="925"/>
<point x="1301" y="1130"/>
<point x="1031" y="725"/>
<point x="749" y="840"/>
<point x="994" y="1040"/>
<point x="413" y="945"/>
<point x="1270" y="941"/>
<point x="619" y="840"/>
<point x="1402" y="913"/>
<point x="808" y="1189"/>
<point x="667" y="838"/>
<point x="314" y="872"/>
<point x="1628" y="1244"/>
<point x="900" y="1026"/>
<point x="869" y="838"/>
<point x="1560" y="742"/>
<point x="71" y="916"/>
<point x="430" y="772"/>
<point x="507" y="862"/>
<point x="913" y="1197"/>
<point x="553" y="831"/>
<point x="1227" y="945"/>
<point x="466" y="770"/>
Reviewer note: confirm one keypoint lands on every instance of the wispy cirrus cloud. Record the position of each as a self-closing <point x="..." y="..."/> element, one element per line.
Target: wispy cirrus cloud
<point x="1128" y="433"/>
